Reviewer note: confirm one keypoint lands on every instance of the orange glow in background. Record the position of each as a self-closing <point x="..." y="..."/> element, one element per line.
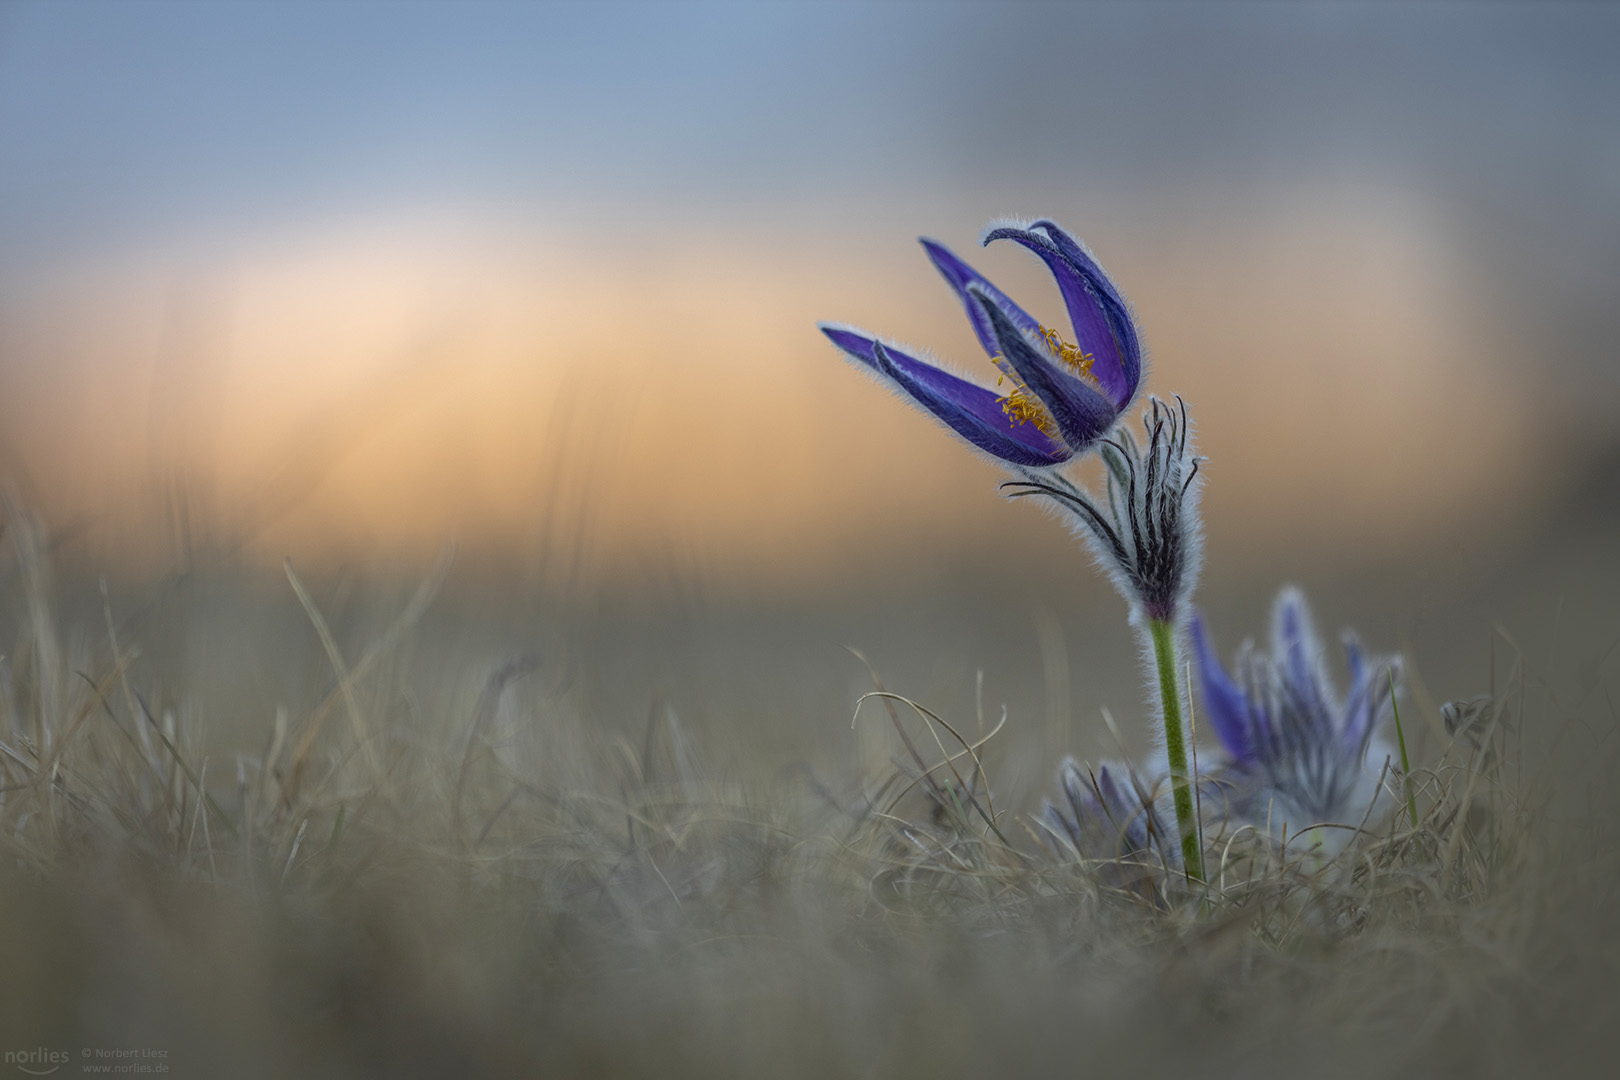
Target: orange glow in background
<point x="365" y="393"/>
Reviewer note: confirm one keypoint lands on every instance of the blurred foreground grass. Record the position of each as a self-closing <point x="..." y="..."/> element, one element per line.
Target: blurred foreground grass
<point x="433" y="858"/>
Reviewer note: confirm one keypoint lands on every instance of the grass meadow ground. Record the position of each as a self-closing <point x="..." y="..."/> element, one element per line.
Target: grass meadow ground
<point x="390" y="846"/>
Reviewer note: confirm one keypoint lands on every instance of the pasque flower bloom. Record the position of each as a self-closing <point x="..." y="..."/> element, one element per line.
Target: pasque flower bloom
<point x="1060" y="397"/>
<point x="1297" y="751"/>
<point x="1063" y="399"/>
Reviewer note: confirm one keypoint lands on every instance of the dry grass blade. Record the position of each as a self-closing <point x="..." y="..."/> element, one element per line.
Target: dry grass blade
<point x="348" y="678"/>
<point x="357" y="716"/>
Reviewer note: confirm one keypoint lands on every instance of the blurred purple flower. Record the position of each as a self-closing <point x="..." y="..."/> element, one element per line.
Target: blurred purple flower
<point x="1106" y="815"/>
<point x="1298" y="752"/>
<point x="1061" y="397"/>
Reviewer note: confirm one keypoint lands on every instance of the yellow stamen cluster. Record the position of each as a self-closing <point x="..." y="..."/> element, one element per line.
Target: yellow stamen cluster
<point x="1071" y="356"/>
<point x="1022" y="406"/>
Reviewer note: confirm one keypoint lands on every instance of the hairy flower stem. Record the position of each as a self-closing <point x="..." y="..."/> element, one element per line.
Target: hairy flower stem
<point x="1175" y="745"/>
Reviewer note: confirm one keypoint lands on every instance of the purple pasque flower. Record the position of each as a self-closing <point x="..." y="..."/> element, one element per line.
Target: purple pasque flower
<point x="1060" y="397"/>
<point x="1299" y="753"/>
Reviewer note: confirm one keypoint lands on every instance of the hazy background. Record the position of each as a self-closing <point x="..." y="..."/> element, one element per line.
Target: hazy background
<point x="343" y="283"/>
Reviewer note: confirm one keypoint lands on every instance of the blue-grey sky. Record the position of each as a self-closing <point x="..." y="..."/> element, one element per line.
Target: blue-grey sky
<point x="121" y="121"/>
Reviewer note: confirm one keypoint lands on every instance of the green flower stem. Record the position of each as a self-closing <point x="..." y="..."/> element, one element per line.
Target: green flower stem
<point x="1175" y="745"/>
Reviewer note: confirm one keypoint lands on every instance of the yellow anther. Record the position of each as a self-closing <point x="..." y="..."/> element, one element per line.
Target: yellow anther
<point x="1073" y="357"/>
<point x="1020" y="405"/>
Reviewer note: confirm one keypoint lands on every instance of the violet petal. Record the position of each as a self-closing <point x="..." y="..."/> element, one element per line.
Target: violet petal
<point x="1115" y="344"/>
<point x="970" y="410"/>
<point x="961" y="276"/>
<point x="1224" y="704"/>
